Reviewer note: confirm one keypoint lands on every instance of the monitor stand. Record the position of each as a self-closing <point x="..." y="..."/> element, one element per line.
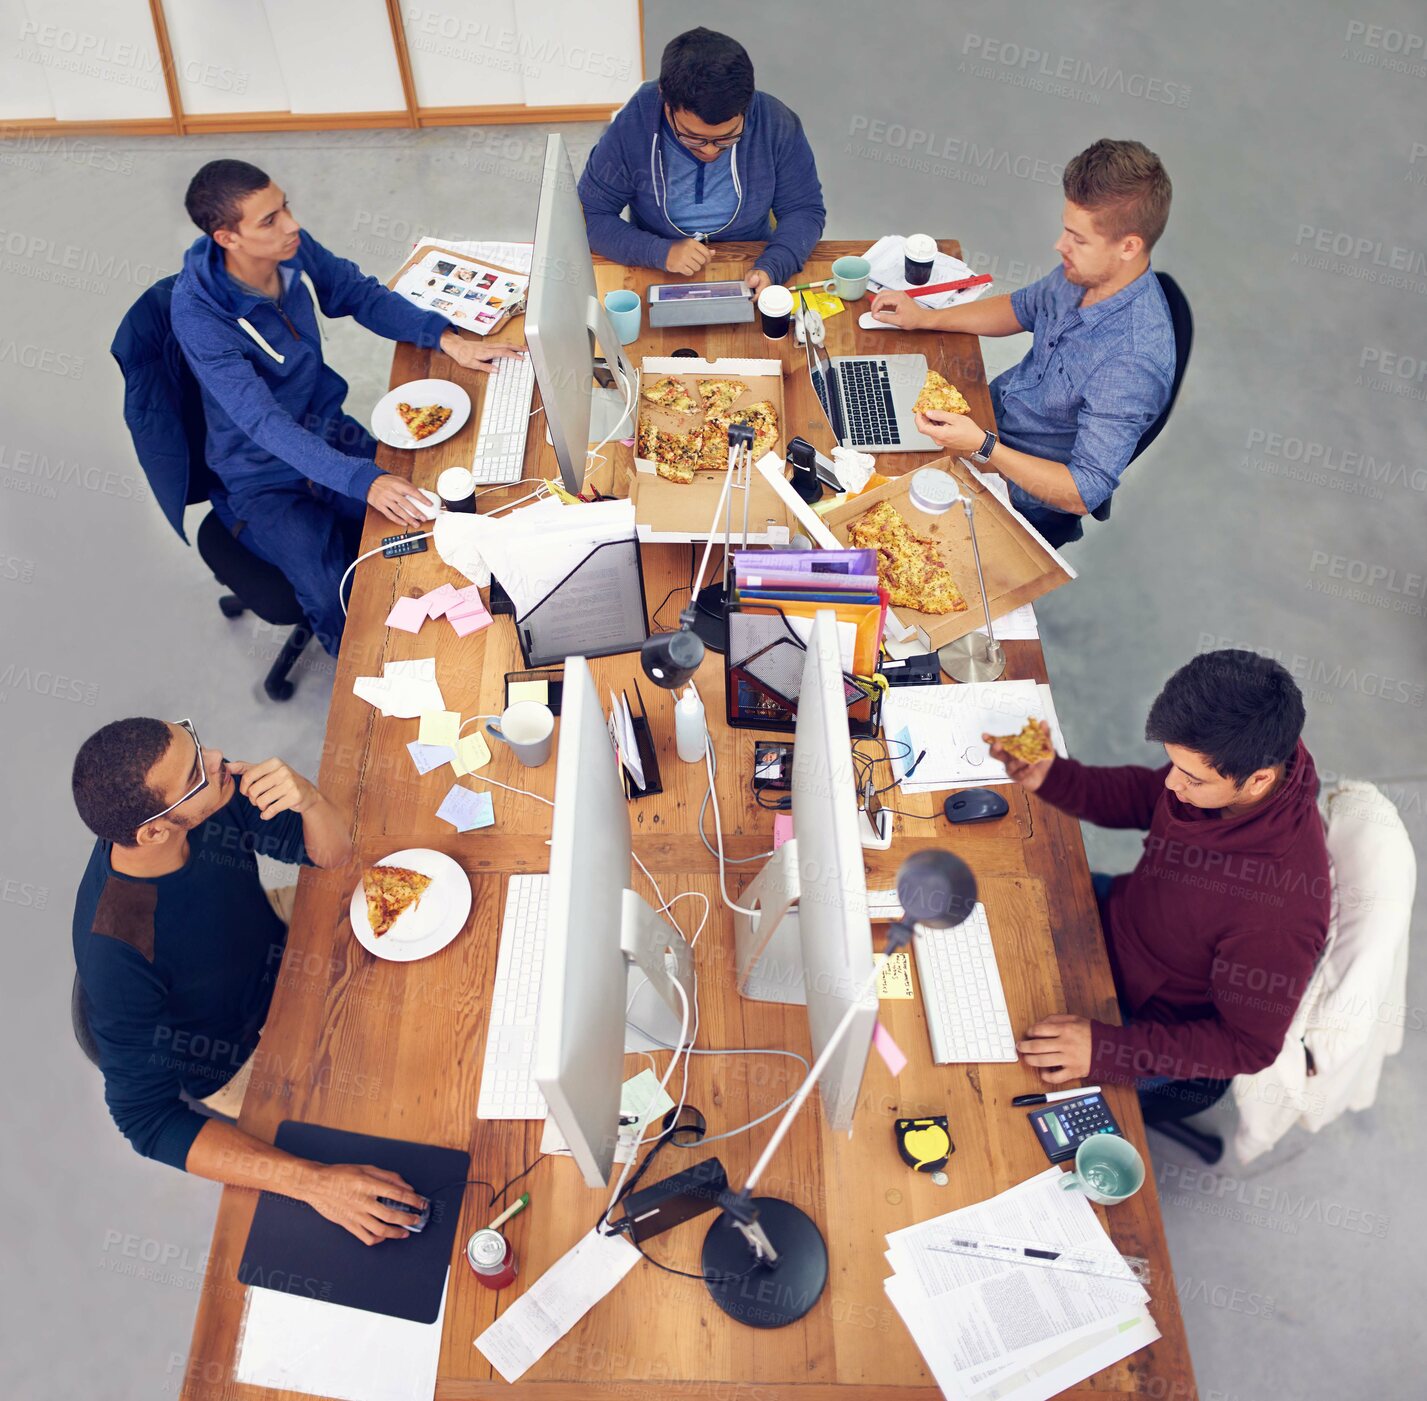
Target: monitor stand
<point x="608" y="419"/>
<point x="657" y="957"/>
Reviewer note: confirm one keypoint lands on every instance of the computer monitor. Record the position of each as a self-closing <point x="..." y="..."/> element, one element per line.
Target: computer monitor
<point x="609" y="958"/>
<point x="820" y="953"/>
<point x="564" y="316"/>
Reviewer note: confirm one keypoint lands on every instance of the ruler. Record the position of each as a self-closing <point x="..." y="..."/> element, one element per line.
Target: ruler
<point x="1085" y="1260"/>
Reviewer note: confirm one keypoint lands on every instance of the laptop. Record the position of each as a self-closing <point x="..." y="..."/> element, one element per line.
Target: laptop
<point x="867" y="399"/>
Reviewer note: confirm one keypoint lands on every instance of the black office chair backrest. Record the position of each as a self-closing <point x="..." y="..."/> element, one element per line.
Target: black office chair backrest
<point x="79" y="1020"/>
<point x="1183" y="322"/>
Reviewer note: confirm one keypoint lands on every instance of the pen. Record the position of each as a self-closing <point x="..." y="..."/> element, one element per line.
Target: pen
<point x="1021" y="1101"/>
<point x="815" y="286"/>
<point x="915" y="762"/>
<point x="518" y="1205"/>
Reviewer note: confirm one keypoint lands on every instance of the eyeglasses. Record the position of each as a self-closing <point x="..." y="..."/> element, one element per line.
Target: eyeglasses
<point x="187" y="726"/>
<point x="693" y="142"/>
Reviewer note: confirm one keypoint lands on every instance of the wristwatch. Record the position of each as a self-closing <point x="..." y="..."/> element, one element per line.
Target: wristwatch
<point x="983" y="454"/>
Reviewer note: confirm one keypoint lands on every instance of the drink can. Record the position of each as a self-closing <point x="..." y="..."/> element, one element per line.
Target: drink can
<point x="489" y="1255"/>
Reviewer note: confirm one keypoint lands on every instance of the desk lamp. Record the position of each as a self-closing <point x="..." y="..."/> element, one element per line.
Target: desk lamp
<point x="977" y="656"/>
<point x="764" y="1260"/>
<point x="670" y="659"/>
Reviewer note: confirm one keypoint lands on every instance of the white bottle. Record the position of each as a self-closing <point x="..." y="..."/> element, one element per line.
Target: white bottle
<point x="689" y="729"/>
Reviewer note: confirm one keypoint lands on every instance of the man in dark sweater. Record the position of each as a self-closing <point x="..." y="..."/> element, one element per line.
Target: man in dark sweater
<point x="701" y="156"/>
<point x="1214" y="935"/>
<point x="178" y="950"/>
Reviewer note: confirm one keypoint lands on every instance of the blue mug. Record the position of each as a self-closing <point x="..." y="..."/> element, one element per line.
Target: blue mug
<point x="625" y="311"/>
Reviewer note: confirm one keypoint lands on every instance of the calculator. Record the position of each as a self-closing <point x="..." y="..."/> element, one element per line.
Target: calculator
<point x="1064" y="1126"/>
<point x="394" y="546"/>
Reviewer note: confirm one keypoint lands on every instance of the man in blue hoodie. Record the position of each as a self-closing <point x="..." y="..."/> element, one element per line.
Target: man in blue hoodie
<point x="698" y="156"/>
<point x="299" y="472"/>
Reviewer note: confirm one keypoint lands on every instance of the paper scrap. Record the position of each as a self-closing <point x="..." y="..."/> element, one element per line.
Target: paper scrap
<point x="440" y="727"/>
<point x="429" y="756"/>
<point x="782" y="829"/>
<point x="527" y="690"/>
<point x="471" y="754"/>
<point x="408" y="614"/>
<point x="466" y="811"/>
<point x="558" y="1300"/>
<point x="640" y="1098"/>
<point x="824" y="303"/>
<point x="894" y="977"/>
<point x="888" y="1049"/>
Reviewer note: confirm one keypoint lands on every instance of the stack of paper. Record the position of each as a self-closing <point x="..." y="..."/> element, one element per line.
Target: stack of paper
<point x="935" y="731"/>
<point x="404" y="689"/>
<point x="995" y="1331"/>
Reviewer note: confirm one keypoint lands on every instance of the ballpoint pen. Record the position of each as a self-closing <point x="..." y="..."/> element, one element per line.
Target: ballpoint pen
<point x="1021" y="1101"/>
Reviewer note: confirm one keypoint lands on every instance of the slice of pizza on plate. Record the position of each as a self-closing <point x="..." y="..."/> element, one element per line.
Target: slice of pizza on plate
<point x="421" y="422"/>
<point x="390" y="892"/>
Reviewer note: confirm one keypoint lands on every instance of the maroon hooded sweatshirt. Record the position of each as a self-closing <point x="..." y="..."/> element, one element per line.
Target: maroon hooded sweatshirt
<point x="1215" y="934"/>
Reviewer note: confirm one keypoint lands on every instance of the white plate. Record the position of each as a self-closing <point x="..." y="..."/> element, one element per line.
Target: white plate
<point x="437" y="918"/>
<point x="388" y="427"/>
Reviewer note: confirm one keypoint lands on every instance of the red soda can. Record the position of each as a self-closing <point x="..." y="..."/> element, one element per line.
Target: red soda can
<point x="489" y="1255"/>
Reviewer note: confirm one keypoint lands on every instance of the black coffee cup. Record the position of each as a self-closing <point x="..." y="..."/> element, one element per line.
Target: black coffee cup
<point x="917" y="259"/>
<point x="775" y="310"/>
<point x="456" y="487"/>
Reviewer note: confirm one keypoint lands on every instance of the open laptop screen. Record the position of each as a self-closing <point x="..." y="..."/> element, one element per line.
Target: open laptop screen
<point x="825" y="385"/>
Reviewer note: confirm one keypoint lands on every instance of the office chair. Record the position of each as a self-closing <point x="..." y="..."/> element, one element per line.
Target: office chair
<point x="163" y="410"/>
<point x="1183" y="322"/>
<point x="1167" y="1106"/>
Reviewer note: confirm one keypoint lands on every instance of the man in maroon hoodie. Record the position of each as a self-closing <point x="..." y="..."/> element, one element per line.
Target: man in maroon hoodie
<point x="1215" y="933"/>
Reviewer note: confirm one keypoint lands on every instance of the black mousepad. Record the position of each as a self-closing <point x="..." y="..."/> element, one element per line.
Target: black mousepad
<point x="292" y="1249"/>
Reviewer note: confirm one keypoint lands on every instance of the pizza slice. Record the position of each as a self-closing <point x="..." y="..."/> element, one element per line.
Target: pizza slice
<point x="669" y="393"/>
<point x="938" y="394"/>
<point x="719" y="394"/>
<point x="391" y="891"/>
<point x="909" y="566"/>
<point x="676" y="456"/>
<point x="761" y="417"/>
<point x="424" y="421"/>
<point x="1030" y="746"/>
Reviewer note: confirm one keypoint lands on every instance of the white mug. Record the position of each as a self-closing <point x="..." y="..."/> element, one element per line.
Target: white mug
<point x="526" y="729"/>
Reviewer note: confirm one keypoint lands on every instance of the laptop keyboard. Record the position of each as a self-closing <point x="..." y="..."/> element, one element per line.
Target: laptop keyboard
<point x="867" y="401"/>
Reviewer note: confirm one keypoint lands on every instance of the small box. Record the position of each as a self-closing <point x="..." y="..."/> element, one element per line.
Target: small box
<point x="700" y="304"/>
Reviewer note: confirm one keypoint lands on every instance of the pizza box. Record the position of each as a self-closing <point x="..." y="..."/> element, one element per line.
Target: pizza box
<point x="668" y="511"/>
<point x="1016" y="562"/>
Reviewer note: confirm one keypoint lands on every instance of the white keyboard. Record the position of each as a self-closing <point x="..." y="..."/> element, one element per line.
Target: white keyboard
<point x="507" y="1087"/>
<point x="962" y="994"/>
<point x="883" y="906"/>
<point x="505" y="421"/>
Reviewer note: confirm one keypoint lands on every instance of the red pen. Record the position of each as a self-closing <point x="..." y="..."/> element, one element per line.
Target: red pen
<point x="961" y="286"/>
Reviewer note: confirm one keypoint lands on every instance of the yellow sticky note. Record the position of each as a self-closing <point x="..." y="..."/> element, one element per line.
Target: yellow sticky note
<point x="472" y="753"/>
<point x="894" y="976"/>
<point x="440" y="727"/>
<point x="528" y="690"/>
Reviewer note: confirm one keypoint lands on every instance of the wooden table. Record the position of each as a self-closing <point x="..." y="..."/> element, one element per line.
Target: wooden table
<point x="396" y="1050"/>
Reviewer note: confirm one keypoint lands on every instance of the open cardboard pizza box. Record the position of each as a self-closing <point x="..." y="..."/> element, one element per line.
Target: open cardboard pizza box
<point x="1017" y="564"/>
<point x="668" y="511"/>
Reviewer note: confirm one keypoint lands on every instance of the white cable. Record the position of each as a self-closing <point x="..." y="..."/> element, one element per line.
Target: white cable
<point x="629" y="397"/>
<point x="342" y="583"/>
<point x="718" y="829"/>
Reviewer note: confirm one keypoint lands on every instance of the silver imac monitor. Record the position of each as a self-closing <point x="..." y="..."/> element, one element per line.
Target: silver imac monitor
<point x="609" y="958"/>
<point x="564" y="317"/>
<point x="810" y="941"/>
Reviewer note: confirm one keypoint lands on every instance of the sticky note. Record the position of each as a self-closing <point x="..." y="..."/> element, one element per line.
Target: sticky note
<point x="439" y="600"/>
<point x="894" y="976"/>
<point x="527" y="690"/>
<point x="440" y="727"/>
<point x="465" y="810"/>
<point x="888" y="1049"/>
<point x="464" y="624"/>
<point x="468" y="597"/>
<point x="408" y="614"/>
<point x="429" y="756"/>
<point x="472" y="753"/>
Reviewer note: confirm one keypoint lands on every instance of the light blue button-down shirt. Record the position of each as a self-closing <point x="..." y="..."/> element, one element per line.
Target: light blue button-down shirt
<point x="1095" y="378"/>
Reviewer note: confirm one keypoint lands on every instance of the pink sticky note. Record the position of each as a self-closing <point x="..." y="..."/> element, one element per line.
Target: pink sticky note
<point x="888" y="1049"/>
<point x="782" y="829"/>
<point x="469" y="595"/>
<point x="408" y="614"/>
<point x="466" y="623"/>
<point x="439" y="600"/>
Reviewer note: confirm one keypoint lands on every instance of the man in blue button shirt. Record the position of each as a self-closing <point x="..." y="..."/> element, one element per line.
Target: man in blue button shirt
<point x="1100" y="370"/>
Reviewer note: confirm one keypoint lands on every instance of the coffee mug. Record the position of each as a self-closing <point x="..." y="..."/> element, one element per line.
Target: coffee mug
<point x="526" y="729"/>
<point x="849" y="278"/>
<point x="775" y="308"/>
<point x="918" y="256"/>
<point x="1107" y="1169"/>
<point x="456" y="487"/>
<point x="625" y="312"/>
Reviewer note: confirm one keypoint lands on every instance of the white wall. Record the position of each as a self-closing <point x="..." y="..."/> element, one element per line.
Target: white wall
<point x="336" y="55"/>
<point x="99" y="58"/>
<point x="225" y="57"/>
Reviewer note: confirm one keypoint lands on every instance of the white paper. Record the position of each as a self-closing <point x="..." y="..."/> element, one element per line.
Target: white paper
<point x="558" y="1300"/>
<point x="626" y="742"/>
<point x="1019" y="625"/>
<point x="463" y="288"/>
<point x="889" y="270"/>
<point x="948" y="722"/>
<point x="519" y="257"/>
<point x="296" y="1343"/>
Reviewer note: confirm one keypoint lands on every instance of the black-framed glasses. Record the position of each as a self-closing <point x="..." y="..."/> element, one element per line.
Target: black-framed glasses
<point x="693" y="142"/>
<point x="187" y="726"/>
